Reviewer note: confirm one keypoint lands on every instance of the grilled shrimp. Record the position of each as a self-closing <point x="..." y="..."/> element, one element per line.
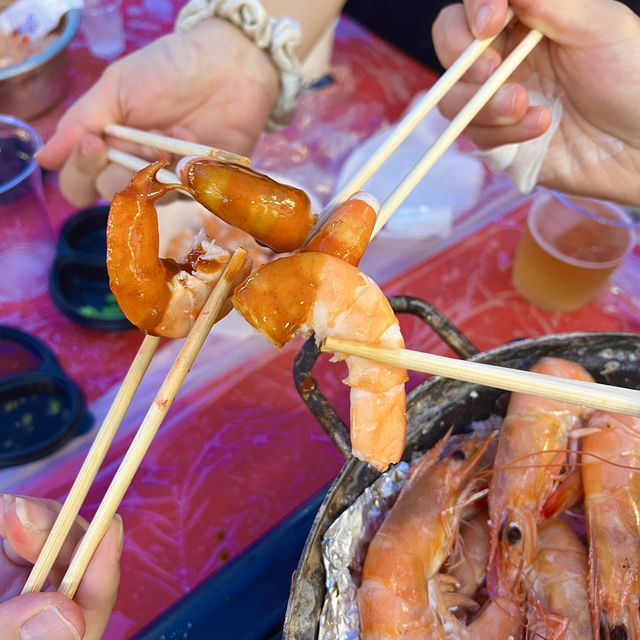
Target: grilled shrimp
<point x="558" y="597"/>
<point x="531" y="453"/>
<point x="611" y="481"/>
<point x="159" y="295"/>
<point x="316" y="292"/>
<point x="275" y="214"/>
<point x="398" y="596"/>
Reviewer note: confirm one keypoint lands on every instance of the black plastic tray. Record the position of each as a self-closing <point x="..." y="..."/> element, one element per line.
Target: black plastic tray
<point x="79" y="282"/>
<point x="40" y="407"/>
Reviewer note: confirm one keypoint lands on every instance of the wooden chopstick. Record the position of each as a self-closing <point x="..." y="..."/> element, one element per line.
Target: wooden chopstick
<point x="589" y="394"/>
<point x="455" y="128"/>
<point x="90" y="466"/>
<point x="149" y="427"/>
<point x="409" y="122"/>
<point x="134" y="163"/>
<point x="174" y="145"/>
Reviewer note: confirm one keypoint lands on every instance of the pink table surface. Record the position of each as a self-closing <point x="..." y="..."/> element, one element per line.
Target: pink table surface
<point x="239" y="452"/>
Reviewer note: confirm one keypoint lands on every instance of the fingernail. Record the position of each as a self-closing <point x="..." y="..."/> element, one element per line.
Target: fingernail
<point x="5" y="505"/>
<point x="483" y="18"/>
<point x="118" y="518"/>
<point x="49" y="624"/>
<point x="32" y="515"/>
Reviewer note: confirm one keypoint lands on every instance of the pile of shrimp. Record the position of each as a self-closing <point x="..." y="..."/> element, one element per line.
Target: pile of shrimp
<point x="532" y="533"/>
<point x="313" y="289"/>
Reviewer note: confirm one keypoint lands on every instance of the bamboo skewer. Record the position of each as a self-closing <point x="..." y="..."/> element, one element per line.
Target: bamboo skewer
<point x="409" y="122"/>
<point x="174" y="145"/>
<point x="589" y="394"/>
<point x="150" y="425"/>
<point x="456" y="127"/>
<point x="90" y="466"/>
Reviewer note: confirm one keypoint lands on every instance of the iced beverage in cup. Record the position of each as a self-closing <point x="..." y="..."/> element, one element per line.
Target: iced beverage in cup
<point x="103" y="27"/>
<point x="569" y="248"/>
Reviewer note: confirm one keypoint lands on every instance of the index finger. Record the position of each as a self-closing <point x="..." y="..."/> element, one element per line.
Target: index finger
<point x="89" y="115"/>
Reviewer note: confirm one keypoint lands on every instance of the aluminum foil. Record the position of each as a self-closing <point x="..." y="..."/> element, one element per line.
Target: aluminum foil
<point x="343" y="551"/>
<point x="346" y="540"/>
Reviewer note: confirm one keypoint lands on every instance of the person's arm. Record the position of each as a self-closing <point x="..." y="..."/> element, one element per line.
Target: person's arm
<point x="314" y="18"/>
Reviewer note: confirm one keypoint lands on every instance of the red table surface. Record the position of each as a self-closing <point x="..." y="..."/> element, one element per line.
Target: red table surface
<point x="241" y="452"/>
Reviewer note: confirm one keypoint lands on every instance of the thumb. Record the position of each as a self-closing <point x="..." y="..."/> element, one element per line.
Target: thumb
<point x="41" y="616"/>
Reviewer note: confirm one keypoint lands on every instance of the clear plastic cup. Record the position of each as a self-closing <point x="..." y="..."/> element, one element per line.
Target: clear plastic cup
<point x="27" y="243"/>
<point x="569" y="249"/>
<point x="103" y="27"/>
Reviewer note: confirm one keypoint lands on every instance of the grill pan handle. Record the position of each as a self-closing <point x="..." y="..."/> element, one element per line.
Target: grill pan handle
<point x="318" y="404"/>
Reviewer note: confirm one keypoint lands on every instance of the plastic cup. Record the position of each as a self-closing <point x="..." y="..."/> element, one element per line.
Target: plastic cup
<point x="103" y="28"/>
<point x="27" y="243"/>
<point x="569" y="249"/>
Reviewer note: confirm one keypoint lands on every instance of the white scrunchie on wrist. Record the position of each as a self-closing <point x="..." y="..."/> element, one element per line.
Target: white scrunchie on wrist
<point x="280" y="38"/>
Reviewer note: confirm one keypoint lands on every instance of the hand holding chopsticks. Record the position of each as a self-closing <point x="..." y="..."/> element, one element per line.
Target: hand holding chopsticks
<point x="589" y="394"/>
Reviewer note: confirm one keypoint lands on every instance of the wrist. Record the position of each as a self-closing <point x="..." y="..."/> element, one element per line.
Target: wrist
<point x="277" y="38"/>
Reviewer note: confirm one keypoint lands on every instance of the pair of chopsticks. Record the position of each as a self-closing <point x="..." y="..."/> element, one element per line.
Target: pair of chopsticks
<point x="204" y="323"/>
<point x="138" y="448"/>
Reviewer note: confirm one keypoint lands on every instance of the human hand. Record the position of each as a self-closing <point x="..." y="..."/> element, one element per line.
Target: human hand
<point x="591" y="58"/>
<point x="211" y="85"/>
<point x="24" y="525"/>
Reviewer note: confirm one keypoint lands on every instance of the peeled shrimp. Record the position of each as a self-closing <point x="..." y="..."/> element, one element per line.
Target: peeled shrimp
<point x="611" y="481"/>
<point x="159" y="295"/>
<point x="530" y="456"/>
<point x="399" y="594"/>
<point x="316" y="292"/>
<point x="558" y="594"/>
<point x="275" y="214"/>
